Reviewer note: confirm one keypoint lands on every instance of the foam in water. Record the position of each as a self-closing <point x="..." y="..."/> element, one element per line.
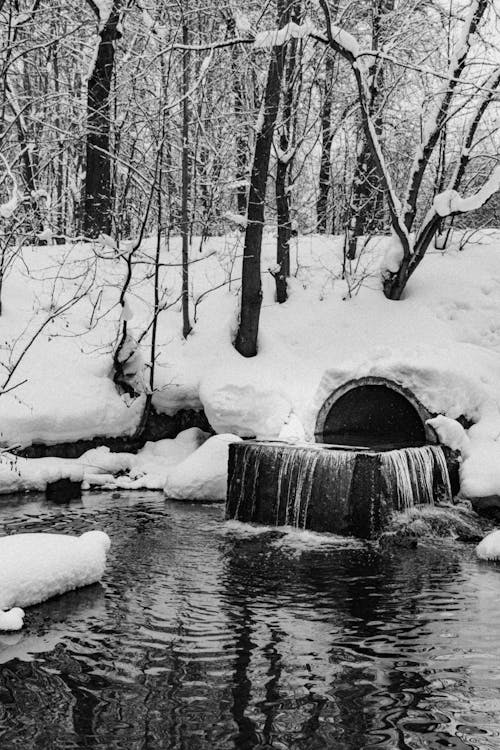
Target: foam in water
<point x="334" y="490"/>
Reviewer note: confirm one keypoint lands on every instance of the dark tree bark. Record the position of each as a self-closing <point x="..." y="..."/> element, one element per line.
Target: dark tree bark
<point x="251" y="287"/>
<point x="99" y="199"/>
<point x="326" y="149"/>
<point x="283" y="168"/>
<point x="186" y="325"/>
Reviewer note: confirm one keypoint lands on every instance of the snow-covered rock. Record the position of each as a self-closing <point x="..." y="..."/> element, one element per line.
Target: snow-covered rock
<point x="102" y="461"/>
<point x="203" y="475"/>
<point x="243" y="407"/>
<point x="158" y="456"/>
<point x="12" y="620"/>
<point x="36" y="567"/>
<point x="489" y="547"/>
<point x="451" y="433"/>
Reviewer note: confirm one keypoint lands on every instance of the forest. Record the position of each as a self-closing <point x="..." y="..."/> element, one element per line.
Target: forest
<point x="126" y="119"/>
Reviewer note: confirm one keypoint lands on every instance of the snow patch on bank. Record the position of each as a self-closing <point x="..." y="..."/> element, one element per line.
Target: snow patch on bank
<point x="441" y="341"/>
<point x="36" y="567"/>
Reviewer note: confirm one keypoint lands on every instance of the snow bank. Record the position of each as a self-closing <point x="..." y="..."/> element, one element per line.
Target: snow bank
<point x="36" y="567"/>
<point x="441" y="341"/>
<point x="159" y="456"/>
<point x="149" y="468"/>
<point x="203" y="475"/>
<point x="489" y="547"/>
<point x="480" y="451"/>
<point x="33" y="474"/>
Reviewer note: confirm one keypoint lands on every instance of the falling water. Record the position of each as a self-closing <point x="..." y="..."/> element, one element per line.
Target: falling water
<point x="336" y="490"/>
<point x="416" y="476"/>
<point x="279" y="484"/>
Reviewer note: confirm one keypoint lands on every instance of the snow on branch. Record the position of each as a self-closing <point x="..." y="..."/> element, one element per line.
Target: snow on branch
<point x="278" y="37"/>
<point x="104" y="8"/>
<point x="8" y="208"/>
<point x="345" y="40"/>
<point x="451" y="202"/>
<point x="434" y="124"/>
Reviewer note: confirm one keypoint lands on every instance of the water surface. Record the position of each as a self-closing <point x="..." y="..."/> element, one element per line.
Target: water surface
<point x="205" y="637"/>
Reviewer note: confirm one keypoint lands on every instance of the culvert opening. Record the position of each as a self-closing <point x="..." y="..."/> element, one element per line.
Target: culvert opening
<point x="374" y="413"/>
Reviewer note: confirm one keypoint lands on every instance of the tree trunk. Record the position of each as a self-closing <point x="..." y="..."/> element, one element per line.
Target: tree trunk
<point x="283" y="169"/>
<point x="326" y="149"/>
<point x="186" y="325"/>
<point x="98" y="183"/>
<point x="251" y="287"/>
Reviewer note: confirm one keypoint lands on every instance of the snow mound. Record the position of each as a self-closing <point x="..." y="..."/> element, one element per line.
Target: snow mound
<point x="489" y="547"/>
<point x="33" y="474"/>
<point x="451" y="433"/>
<point x="244" y="406"/>
<point x="36" y="567"/>
<point x="12" y="620"/>
<point x="157" y="457"/>
<point x="203" y="475"/>
<point x="101" y="461"/>
<point x="480" y="472"/>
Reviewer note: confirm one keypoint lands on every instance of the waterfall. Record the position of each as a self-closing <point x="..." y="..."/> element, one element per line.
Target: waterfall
<point x="336" y="490"/>
<point x="279" y="484"/>
<point x="416" y="476"/>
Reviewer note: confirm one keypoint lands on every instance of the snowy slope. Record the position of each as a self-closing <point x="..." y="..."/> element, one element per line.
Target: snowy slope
<point x="442" y="340"/>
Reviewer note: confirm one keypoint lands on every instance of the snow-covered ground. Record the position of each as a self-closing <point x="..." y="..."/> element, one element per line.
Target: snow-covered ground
<point x="442" y="341"/>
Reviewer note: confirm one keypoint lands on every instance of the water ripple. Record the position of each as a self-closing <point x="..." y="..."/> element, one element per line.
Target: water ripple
<point x="208" y="635"/>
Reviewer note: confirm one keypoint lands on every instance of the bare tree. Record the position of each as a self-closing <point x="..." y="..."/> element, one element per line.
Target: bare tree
<point x="98" y="175"/>
<point x="413" y="244"/>
<point x="251" y="288"/>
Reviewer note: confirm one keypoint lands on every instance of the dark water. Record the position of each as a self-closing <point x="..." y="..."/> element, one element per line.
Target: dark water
<point x="202" y="637"/>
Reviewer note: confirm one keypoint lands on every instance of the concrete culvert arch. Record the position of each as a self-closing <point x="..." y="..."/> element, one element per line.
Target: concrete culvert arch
<point x="376" y="413"/>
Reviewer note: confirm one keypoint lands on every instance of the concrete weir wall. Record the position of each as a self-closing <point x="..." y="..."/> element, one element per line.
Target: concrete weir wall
<point x="374" y="453"/>
<point x="342" y="491"/>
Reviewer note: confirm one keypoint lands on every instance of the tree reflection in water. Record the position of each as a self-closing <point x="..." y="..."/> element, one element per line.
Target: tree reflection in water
<point x="205" y="640"/>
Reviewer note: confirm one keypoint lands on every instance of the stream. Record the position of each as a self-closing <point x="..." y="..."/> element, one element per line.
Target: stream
<point x="210" y="635"/>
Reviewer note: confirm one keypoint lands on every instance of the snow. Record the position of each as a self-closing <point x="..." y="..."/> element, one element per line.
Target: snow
<point x="104" y="8"/>
<point x="243" y="23"/>
<point x="489" y="547"/>
<point x="441" y="341"/>
<point x="237" y="219"/>
<point x="203" y="475"/>
<point x="451" y="433"/>
<point x="12" y="620"/>
<point x="451" y="202"/>
<point x="276" y="37"/>
<point x="345" y="40"/>
<point x="36" y="567"/>
<point x="31" y="475"/>
<point x="393" y="255"/>
<point x="292" y="431"/>
<point x="10" y="206"/>
<point x="249" y="406"/>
